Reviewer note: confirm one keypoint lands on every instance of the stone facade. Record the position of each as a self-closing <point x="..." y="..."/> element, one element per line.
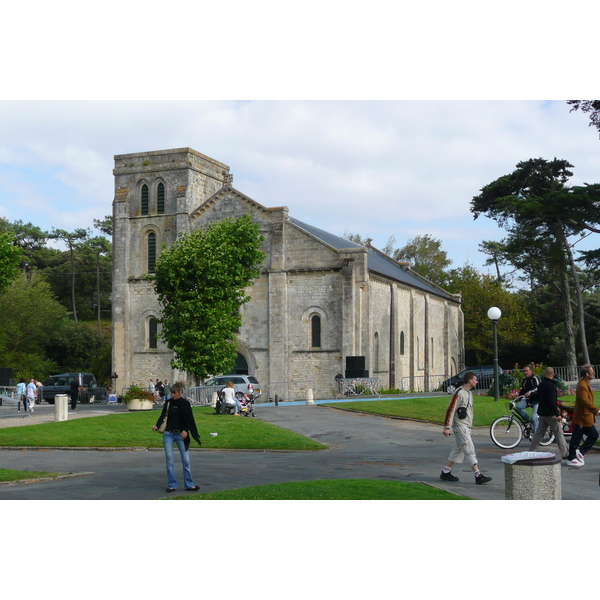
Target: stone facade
<point x="320" y="298"/>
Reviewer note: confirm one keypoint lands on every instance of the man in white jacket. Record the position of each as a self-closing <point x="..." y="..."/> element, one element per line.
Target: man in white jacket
<point x="459" y="420"/>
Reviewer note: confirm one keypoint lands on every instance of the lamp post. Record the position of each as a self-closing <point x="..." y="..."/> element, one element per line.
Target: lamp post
<point x="493" y="315"/>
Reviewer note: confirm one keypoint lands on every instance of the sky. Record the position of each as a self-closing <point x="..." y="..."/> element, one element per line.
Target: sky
<point x="377" y="168"/>
<point x="380" y="118"/>
<point x="357" y="123"/>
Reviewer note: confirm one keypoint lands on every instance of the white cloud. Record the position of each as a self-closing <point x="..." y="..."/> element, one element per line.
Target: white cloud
<point x="377" y="168"/>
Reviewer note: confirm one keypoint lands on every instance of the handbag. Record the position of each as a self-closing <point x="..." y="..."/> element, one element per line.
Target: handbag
<point x="163" y="425"/>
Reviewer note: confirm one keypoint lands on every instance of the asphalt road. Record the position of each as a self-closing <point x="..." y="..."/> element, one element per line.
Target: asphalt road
<point x="360" y="446"/>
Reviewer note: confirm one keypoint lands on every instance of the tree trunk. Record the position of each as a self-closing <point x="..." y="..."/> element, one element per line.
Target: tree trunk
<point x="568" y="325"/>
<point x="98" y="293"/>
<point x="580" y="311"/>
<point x="73" y="282"/>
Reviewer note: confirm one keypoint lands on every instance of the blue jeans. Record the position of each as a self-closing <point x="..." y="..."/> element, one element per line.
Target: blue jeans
<point x="521" y="406"/>
<point x="236" y="404"/>
<point x="591" y="435"/>
<point x="168" y="440"/>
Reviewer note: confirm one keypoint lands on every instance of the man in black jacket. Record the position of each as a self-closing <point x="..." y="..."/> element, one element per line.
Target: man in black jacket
<point x="528" y="390"/>
<point x="179" y="426"/>
<point x="549" y="414"/>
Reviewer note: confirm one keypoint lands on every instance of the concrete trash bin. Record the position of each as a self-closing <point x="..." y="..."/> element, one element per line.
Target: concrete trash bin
<point x="533" y="478"/>
<point x="61" y="410"/>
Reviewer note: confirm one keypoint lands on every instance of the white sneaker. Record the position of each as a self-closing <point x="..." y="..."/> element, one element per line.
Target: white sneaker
<point x="574" y="463"/>
<point x="580" y="457"/>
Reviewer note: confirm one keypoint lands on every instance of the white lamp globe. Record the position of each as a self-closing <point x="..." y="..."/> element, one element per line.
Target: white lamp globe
<point x="494" y="313"/>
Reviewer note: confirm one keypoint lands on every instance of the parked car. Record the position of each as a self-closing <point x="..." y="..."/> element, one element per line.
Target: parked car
<point x="485" y="378"/>
<point x="241" y="383"/>
<point x="61" y="384"/>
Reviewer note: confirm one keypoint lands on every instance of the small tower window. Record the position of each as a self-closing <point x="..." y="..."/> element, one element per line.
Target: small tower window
<point x="144" y="199"/>
<point x="160" y="199"/>
<point x="151" y="252"/>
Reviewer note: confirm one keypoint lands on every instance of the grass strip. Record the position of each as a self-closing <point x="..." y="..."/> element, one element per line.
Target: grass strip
<point x="486" y="410"/>
<point x="134" y="429"/>
<point x="332" y="489"/>
<point x="12" y="475"/>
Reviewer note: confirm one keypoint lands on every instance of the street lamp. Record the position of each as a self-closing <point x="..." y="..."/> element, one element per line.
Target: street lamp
<point x="493" y="315"/>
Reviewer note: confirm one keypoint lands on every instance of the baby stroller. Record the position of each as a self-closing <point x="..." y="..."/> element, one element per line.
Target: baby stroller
<point x="566" y="412"/>
<point x="247" y="404"/>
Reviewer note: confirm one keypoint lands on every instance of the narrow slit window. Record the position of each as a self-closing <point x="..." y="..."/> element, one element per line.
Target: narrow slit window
<point x="144" y="199"/>
<point x="151" y="252"/>
<point x="160" y="199"/>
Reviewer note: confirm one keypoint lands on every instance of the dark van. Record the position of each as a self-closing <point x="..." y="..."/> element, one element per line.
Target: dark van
<point x="61" y="384"/>
<point x="485" y="378"/>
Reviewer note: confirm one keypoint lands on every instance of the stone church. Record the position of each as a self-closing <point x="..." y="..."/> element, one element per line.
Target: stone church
<point x="323" y="307"/>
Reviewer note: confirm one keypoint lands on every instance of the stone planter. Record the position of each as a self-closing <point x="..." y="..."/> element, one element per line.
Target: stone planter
<point x="137" y="404"/>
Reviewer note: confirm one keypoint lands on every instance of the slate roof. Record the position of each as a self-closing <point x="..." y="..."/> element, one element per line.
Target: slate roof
<point x="378" y="262"/>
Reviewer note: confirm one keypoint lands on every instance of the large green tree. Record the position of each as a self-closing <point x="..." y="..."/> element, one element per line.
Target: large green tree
<point x="479" y="293"/>
<point x="30" y="315"/>
<point x="540" y="212"/>
<point x="425" y="254"/>
<point x="590" y="107"/>
<point x="73" y="240"/>
<point x="200" y="282"/>
<point x="10" y="256"/>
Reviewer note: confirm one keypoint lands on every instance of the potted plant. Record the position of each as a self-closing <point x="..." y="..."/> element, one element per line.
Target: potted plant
<point x="138" y="399"/>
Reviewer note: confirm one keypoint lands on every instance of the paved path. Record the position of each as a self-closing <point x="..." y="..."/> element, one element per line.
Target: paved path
<point x="361" y="446"/>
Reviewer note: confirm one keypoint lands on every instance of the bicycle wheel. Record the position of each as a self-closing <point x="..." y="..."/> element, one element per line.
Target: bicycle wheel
<point x="506" y="432"/>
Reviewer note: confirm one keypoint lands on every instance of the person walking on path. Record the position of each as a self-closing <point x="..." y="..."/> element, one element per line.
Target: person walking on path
<point x="459" y="421"/>
<point x="74" y="392"/>
<point x="548" y="414"/>
<point x="180" y="425"/>
<point x="21" y="391"/>
<point x="30" y="395"/>
<point x="584" y="417"/>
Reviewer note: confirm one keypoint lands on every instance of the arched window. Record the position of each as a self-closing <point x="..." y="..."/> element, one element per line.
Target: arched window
<point x="144" y="199"/>
<point x="376" y="352"/>
<point x="402" y="342"/>
<point x="152" y="333"/>
<point x="151" y="252"/>
<point x="315" y="331"/>
<point x="160" y="199"/>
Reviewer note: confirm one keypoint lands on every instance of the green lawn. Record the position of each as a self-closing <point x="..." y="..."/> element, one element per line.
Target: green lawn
<point x="434" y="409"/>
<point x="134" y="429"/>
<point x="332" y="489"/>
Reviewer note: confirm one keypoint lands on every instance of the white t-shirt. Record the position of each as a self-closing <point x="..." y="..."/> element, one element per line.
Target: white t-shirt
<point x="229" y="394"/>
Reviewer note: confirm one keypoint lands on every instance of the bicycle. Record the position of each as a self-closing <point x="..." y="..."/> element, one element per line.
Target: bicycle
<point x="508" y="431"/>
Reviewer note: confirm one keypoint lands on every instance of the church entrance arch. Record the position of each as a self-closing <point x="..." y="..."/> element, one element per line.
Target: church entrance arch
<point x="240" y="367"/>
